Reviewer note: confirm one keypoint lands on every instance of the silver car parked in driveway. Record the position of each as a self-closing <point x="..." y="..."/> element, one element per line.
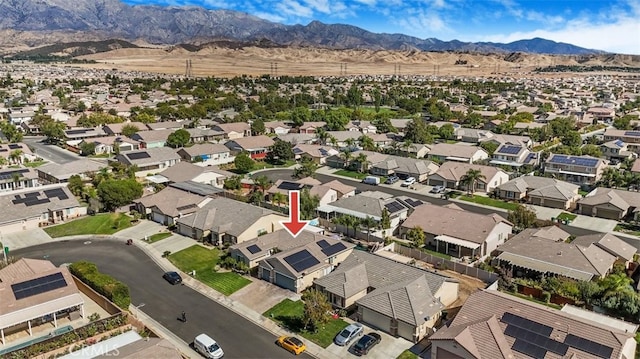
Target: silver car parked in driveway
<point x="348" y="334"/>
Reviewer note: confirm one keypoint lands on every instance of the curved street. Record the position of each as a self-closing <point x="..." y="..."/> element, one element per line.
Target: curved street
<point x="238" y="337"/>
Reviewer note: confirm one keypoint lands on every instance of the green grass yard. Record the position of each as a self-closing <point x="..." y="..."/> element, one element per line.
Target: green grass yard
<point x="158" y="236"/>
<point x="407" y="355"/>
<point x="564" y="216"/>
<point x="352" y="174"/>
<point x="34" y="164"/>
<point x="104" y="223"/>
<point x="489" y="202"/>
<point x="204" y="261"/>
<point x="289" y="314"/>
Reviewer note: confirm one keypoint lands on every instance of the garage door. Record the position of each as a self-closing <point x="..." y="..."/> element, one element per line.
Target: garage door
<point x="157" y="217"/>
<point x="406" y="331"/>
<point x="376" y="320"/>
<point x="285" y="282"/>
<point x="434" y="182"/>
<point x="265" y="274"/>
<point x="607" y="213"/>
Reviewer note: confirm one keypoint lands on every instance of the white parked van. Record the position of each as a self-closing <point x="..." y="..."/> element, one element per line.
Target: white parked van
<point x="208" y="347"/>
<point x="372" y="180"/>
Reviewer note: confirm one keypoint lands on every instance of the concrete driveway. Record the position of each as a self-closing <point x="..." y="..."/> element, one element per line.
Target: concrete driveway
<point x="389" y="347"/>
<point x="26" y="238"/>
<point x="142" y="229"/>
<point x="261" y="296"/>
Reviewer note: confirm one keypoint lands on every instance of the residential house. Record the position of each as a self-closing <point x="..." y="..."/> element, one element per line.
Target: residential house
<point x="325" y="194"/>
<point x="402" y="300"/>
<point x="493" y="324"/>
<point x="34" y="292"/>
<point x="344" y="137"/>
<point x="298" y="138"/>
<point x="623" y="251"/>
<point x="343" y="190"/>
<point x="276" y="127"/>
<point x="297" y="268"/>
<point x="540" y="191"/>
<point x="416" y="150"/>
<point x="514" y="156"/>
<point x="35" y="207"/>
<point x="317" y="153"/>
<point x="400" y="124"/>
<point x="610" y="203"/>
<point x="452" y="175"/>
<point x="635" y="168"/>
<point x="256" y="146"/>
<point x="581" y="170"/>
<point x="199" y="135"/>
<point x="311" y="127"/>
<point x="20" y="151"/>
<point x="206" y="154"/>
<point x="167" y="125"/>
<point x="234" y="130"/>
<point x="616" y="151"/>
<point x="54" y="173"/>
<point x="169" y="204"/>
<point x="18" y="178"/>
<point x="443" y="152"/>
<point x="78" y="134"/>
<point x="115" y="129"/>
<point x="223" y="220"/>
<point x="456" y="232"/>
<point x="631" y="138"/>
<point x="364" y="205"/>
<point x="545" y="251"/>
<point x="151" y="160"/>
<point x="499" y="139"/>
<point x="403" y="167"/>
<point x="17" y="116"/>
<point x="106" y="145"/>
<point x="602" y="114"/>
<point x="361" y="126"/>
<point x="340" y="161"/>
<point x="185" y="171"/>
<point x="153" y="138"/>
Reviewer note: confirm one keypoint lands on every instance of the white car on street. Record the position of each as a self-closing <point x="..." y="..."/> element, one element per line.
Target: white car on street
<point x="408" y="182"/>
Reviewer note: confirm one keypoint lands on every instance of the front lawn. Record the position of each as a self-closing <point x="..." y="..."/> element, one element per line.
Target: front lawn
<point x="289" y="314"/>
<point x="407" y="354"/>
<point x="489" y="202"/>
<point x="564" y="216"/>
<point x="352" y="174"/>
<point x="34" y="164"/>
<point x="158" y="236"/>
<point x="627" y="228"/>
<point x="203" y="261"/>
<point x="103" y="223"/>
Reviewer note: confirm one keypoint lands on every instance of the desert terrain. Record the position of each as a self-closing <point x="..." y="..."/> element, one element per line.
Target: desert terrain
<point x="256" y="61"/>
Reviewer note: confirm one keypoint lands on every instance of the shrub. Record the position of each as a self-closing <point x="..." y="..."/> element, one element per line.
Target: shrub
<point x="546" y="296"/>
<point x="104" y="284"/>
<point x="165" y="254"/>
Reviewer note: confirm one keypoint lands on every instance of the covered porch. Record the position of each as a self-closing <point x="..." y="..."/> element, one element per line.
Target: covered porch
<point x="455" y="247"/>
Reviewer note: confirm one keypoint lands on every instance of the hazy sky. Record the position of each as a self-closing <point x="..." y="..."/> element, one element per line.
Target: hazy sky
<point x="597" y="24"/>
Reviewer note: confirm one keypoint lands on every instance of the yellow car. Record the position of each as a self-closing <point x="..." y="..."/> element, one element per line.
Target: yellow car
<point x="292" y="344"/>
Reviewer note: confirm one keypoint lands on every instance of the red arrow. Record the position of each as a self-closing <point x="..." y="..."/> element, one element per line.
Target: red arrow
<point x="294" y="225"/>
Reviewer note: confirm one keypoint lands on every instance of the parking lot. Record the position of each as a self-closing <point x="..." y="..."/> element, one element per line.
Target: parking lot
<point x="389" y="347"/>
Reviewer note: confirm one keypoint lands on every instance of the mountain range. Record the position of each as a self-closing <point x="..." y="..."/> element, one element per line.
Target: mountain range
<point x="45" y="22"/>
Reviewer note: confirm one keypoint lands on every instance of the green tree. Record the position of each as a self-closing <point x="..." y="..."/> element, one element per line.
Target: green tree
<point x="306" y="168"/>
<point x="54" y="130"/>
<point x="447" y="131"/>
<point x="385" y="219"/>
<point x="179" y="138"/>
<point x="130" y="130"/>
<point x="522" y="217"/>
<point x="471" y="178"/>
<point x="571" y="139"/>
<point x="144" y="118"/>
<point x="522" y="117"/>
<point x="244" y="163"/>
<point x="308" y="204"/>
<point x="115" y="193"/>
<point x="280" y="152"/>
<point x="76" y="186"/>
<point x="368" y="223"/>
<point x="591" y="150"/>
<point x="88" y="148"/>
<point x="416" y="236"/>
<point x="316" y="309"/>
<point x="367" y="143"/>
<point x="363" y="162"/>
<point x="11" y="132"/>
<point x="257" y="127"/>
<point x="300" y="115"/>
<point x="624" y="122"/>
<point x="233" y="183"/>
<point x="278" y="199"/>
<point x="417" y="132"/>
<point x="262" y="182"/>
<point x="489" y="146"/>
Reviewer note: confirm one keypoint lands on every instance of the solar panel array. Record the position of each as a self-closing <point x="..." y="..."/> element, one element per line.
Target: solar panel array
<point x="322" y="243"/>
<point x="579" y="161"/>
<point x="530" y="157"/>
<point x="588" y="346"/>
<point x="138" y="155"/>
<point x="632" y="133"/>
<point x="619" y="143"/>
<point x="9" y="174"/>
<point x="297" y="151"/>
<point x="253" y="249"/>
<point x="58" y="192"/>
<point x="413" y="202"/>
<point x="522" y="322"/>
<point x="534" y="339"/>
<point x="38" y="286"/>
<point x="290" y="186"/>
<point x="394" y="207"/>
<point x="510" y="150"/>
<point x="336" y="248"/>
<point x="76" y="132"/>
<point x="301" y="260"/>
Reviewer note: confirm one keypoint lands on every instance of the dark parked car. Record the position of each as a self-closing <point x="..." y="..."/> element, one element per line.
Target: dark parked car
<point x="392" y="179"/>
<point x="172" y="277"/>
<point x="365" y="344"/>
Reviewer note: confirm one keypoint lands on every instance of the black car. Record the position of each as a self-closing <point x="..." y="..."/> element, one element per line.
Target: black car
<point x="365" y="344"/>
<point x="172" y="277"/>
<point x="392" y="180"/>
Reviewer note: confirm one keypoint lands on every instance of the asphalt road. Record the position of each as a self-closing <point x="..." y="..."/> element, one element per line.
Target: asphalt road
<point x="238" y="337"/>
<point x="285" y="174"/>
<point x="48" y="152"/>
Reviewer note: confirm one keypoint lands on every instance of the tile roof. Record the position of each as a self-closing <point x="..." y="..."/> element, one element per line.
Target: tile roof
<point x="155" y="156"/>
<point x="153" y="135"/>
<point x="12" y="212"/>
<point x="454" y="171"/>
<point x="69" y="169"/>
<point x="182" y="171"/>
<point x="488" y="340"/>
<point x="617" y="197"/>
<point x="527" y="183"/>
<point x="438" y="220"/>
<point x="609" y="243"/>
<point x="454" y="150"/>
<point x="200" y="149"/>
<point x="172" y="201"/>
<point x="253" y="142"/>
<point x="279" y="239"/>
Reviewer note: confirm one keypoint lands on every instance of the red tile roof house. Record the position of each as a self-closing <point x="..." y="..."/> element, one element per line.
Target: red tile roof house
<point x="256" y="146"/>
<point x="492" y="324"/>
<point x="456" y="232"/>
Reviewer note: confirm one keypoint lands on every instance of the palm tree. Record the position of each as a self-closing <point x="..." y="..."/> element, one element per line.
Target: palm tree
<point x="262" y="182"/>
<point x="334" y="141"/>
<point x="471" y="178"/>
<point x="278" y="198"/>
<point x="346" y="156"/>
<point x="408" y="145"/>
<point x="367" y="143"/>
<point x="15" y="156"/>
<point x="16" y="180"/>
<point x="349" y="142"/>
<point x="3" y="161"/>
<point x="363" y="162"/>
<point x="368" y="222"/>
<point x="322" y="135"/>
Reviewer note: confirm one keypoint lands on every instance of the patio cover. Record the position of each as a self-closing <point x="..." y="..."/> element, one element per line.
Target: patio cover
<point x="578" y="173"/>
<point x="544" y="267"/>
<point x="459" y="159"/>
<point x="457" y="241"/>
<point x="40" y="310"/>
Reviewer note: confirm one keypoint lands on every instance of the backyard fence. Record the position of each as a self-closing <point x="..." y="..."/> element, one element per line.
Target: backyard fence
<point x="442" y="263"/>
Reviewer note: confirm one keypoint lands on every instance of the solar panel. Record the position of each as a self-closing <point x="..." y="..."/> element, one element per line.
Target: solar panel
<point x="537" y="339"/>
<point x="253" y="249"/>
<point x="394" y="207"/>
<point x="619" y="143"/>
<point x="512" y="150"/>
<point x="58" y="192"/>
<point x="338" y="247"/>
<point x="528" y="349"/>
<point x="632" y="133"/>
<point x="527" y="324"/>
<point x="297" y="151"/>
<point x="301" y="260"/>
<point x="290" y="186"/>
<point x="414" y="202"/>
<point x="14" y="146"/>
<point x="587" y="162"/>
<point x="530" y="157"/>
<point x="138" y="155"/>
<point x="32" y="194"/>
<point x="323" y="244"/>
<point x="588" y="346"/>
<point x="9" y="174"/>
<point x="76" y="132"/>
<point x="38" y="286"/>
